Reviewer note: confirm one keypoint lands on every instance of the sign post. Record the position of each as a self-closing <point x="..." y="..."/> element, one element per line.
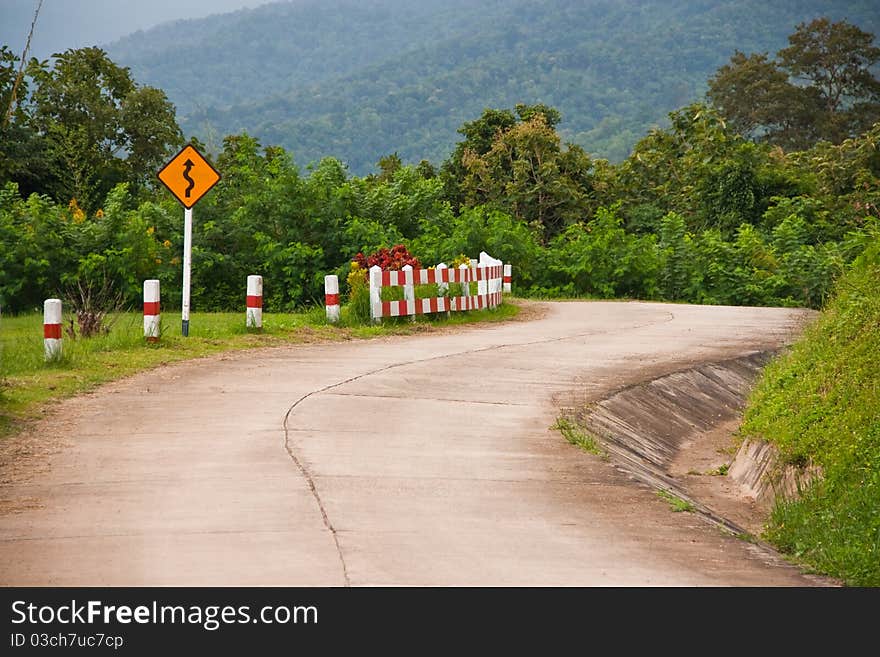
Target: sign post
<point x="188" y="176"/>
<point x="187" y="268"/>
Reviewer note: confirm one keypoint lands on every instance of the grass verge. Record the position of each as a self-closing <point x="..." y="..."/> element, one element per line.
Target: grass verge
<point x="820" y="404"/>
<point x="28" y="383"/>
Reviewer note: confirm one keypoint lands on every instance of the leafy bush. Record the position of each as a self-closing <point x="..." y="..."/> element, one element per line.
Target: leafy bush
<point x="601" y="259"/>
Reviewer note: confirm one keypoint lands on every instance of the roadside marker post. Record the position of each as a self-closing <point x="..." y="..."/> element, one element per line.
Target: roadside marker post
<point x="331" y="297"/>
<point x="189" y="176"/>
<point x="152" y="311"/>
<point x="507" y="278"/>
<point x="254" y="312"/>
<point x="52" y="328"/>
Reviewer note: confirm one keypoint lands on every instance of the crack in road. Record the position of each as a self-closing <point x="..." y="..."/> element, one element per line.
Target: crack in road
<point x="308" y="475"/>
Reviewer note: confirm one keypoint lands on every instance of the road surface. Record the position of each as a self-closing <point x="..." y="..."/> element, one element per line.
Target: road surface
<point x="419" y="460"/>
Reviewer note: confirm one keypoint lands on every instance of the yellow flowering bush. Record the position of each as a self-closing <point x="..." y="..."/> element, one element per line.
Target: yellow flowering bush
<point x="358" y="292"/>
<point x="75" y="211"/>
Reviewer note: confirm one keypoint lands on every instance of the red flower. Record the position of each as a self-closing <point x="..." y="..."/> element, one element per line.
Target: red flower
<point x="389" y="260"/>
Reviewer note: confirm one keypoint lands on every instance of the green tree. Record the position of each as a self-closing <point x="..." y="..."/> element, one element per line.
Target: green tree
<point x="388" y="166"/>
<point x="703" y="170"/>
<point x="101" y="128"/>
<point x="820" y="87"/>
<point x="754" y="97"/>
<point x="835" y="61"/>
<point x="528" y="173"/>
<point x="22" y="150"/>
<point x="479" y="135"/>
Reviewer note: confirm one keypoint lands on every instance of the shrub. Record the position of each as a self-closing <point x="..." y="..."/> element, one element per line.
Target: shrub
<point x="358" y="294"/>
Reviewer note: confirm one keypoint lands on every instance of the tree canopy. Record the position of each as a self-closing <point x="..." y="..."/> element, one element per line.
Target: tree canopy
<point x="82" y="126"/>
<point x="821" y="87"/>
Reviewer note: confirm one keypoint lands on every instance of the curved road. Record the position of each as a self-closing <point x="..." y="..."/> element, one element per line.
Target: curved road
<point x="420" y="460"/>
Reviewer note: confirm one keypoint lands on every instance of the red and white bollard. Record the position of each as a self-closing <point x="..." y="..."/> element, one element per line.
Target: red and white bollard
<point x="52" y="328"/>
<point x="152" y="315"/>
<point x="331" y="297"/>
<point x="507" y="278"/>
<point x="254" y="313"/>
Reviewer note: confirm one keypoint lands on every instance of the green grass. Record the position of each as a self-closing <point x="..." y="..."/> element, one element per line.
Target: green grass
<point x="577" y="436"/>
<point x="675" y="503"/>
<point x="28" y="382"/>
<point x="820" y="404"/>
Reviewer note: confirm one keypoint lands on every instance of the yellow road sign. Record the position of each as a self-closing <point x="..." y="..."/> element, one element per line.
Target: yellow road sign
<point x="188" y="176"/>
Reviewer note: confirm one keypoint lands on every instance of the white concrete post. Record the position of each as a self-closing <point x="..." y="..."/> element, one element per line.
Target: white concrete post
<point x="331" y="297"/>
<point x="508" y="274"/>
<point x="52" y="328"/>
<point x="442" y="287"/>
<point x="375" y="293"/>
<point x="152" y="315"/>
<point x="487" y="261"/>
<point x="465" y="287"/>
<point x="254" y="308"/>
<point x="483" y="285"/>
<point x="493" y="279"/>
<point x="409" y="292"/>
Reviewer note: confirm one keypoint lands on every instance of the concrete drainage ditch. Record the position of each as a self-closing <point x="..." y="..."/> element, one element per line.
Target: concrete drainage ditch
<point x="657" y="431"/>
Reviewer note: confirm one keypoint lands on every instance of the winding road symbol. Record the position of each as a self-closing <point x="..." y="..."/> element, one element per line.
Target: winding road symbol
<point x="192" y="183"/>
<point x="188" y="176"/>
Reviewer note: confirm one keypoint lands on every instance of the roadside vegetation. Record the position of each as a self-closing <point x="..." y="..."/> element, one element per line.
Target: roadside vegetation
<point x="820" y="404"/>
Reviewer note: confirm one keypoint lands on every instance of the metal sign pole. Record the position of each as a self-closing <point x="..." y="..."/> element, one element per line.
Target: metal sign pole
<point x="187" y="265"/>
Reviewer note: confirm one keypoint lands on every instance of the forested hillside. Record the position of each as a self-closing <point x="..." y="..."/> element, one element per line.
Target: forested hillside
<point x="359" y="80"/>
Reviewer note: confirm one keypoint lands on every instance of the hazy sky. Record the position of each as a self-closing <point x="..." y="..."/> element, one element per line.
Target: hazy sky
<point x="64" y="24"/>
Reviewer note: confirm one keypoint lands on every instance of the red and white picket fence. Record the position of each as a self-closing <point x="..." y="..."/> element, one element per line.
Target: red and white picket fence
<point x="488" y="272"/>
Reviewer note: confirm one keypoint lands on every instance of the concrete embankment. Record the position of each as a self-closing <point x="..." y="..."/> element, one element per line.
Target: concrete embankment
<point x="675" y="432"/>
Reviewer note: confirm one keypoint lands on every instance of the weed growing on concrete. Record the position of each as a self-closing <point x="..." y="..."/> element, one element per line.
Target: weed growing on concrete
<point x="676" y="503"/>
<point x="577" y="436"/>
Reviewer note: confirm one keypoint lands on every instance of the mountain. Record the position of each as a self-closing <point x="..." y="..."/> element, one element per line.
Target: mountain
<point x="359" y="80"/>
<point x="64" y="24"/>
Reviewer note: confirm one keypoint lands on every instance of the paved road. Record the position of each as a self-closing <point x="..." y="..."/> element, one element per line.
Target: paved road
<point x="421" y="460"/>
